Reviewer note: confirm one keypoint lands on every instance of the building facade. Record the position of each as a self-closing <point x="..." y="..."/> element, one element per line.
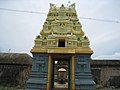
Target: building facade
<point x="61" y="54"/>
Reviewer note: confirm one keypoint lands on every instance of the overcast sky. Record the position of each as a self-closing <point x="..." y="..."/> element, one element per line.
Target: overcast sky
<point x="19" y="29"/>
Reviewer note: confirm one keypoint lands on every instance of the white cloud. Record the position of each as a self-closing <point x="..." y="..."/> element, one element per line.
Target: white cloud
<point x="116" y="55"/>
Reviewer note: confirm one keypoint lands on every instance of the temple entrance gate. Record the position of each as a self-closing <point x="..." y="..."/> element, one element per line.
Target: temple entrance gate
<point x="61" y="72"/>
<point x="61" y="54"/>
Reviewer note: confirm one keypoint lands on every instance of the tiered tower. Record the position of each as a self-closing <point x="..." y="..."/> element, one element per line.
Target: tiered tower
<point x="61" y="41"/>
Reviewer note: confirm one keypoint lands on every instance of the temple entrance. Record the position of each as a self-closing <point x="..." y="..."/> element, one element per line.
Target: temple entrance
<point x="61" y="73"/>
<point x="61" y="54"/>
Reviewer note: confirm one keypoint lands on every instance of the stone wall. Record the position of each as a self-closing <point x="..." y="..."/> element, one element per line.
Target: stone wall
<point x="103" y="70"/>
<point x="14" y="69"/>
<point x="106" y="73"/>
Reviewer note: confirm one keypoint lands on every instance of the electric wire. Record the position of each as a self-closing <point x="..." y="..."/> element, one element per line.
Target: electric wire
<point x="24" y="11"/>
<point x="36" y="12"/>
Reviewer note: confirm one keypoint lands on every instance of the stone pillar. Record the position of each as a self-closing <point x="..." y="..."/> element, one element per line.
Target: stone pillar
<point x="73" y="73"/>
<point x="49" y="73"/>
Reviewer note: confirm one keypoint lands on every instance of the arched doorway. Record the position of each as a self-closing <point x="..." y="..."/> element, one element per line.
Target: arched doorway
<point x="62" y="76"/>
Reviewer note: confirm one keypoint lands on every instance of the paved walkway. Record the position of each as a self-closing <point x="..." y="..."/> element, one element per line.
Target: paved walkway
<point x="57" y="85"/>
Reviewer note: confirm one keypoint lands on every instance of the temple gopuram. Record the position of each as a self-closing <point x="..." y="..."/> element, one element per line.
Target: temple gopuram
<point x="61" y="54"/>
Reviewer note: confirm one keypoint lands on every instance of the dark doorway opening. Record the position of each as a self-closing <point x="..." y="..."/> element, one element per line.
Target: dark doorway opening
<point x="61" y="43"/>
<point x="60" y="73"/>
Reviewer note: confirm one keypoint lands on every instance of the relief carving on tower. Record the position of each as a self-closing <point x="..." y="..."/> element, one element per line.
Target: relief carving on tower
<point x="61" y="22"/>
